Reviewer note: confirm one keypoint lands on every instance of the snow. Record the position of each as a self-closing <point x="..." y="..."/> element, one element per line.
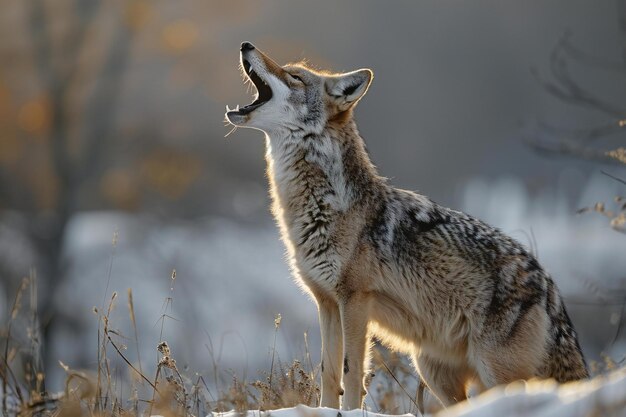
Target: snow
<point x="304" y="411"/>
<point x="602" y="396"/>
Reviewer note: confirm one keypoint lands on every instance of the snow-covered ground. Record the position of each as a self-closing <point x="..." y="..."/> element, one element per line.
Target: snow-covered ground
<point x="603" y="396"/>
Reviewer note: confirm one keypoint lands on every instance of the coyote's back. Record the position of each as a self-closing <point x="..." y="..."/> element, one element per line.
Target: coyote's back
<point x="465" y="301"/>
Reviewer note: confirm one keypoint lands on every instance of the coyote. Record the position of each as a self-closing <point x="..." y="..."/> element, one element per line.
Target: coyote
<point x="462" y="299"/>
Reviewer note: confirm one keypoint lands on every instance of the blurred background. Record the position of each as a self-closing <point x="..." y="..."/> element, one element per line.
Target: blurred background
<point x="114" y="168"/>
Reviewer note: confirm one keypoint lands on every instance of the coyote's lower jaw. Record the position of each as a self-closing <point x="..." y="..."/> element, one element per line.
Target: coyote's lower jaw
<point x="234" y="117"/>
<point x="463" y="300"/>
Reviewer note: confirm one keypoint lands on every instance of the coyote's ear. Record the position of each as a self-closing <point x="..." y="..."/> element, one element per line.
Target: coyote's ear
<point x="346" y="89"/>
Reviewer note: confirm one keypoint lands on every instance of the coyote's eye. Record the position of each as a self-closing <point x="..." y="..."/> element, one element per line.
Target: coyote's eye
<point x="295" y="77"/>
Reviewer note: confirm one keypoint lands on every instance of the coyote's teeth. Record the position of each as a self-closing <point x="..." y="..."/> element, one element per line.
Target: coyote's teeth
<point x="237" y="108"/>
<point x="227" y="108"/>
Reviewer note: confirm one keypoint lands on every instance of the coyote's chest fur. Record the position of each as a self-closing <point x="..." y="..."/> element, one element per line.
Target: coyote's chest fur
<point x="311" y="200"/>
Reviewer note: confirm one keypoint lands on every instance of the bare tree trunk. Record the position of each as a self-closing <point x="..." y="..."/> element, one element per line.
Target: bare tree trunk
<point x="96" y="129"/>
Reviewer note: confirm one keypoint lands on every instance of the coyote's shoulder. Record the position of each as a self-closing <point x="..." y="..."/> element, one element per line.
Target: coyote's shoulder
<point x="464" y="300"/>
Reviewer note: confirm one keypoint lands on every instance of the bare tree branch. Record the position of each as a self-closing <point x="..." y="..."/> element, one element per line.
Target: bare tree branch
<point x="570" y="148"/>
<point x="583" y="134"/>
<point x="589" y="60"/>
<point x="613" y="177"/>
<point x="575" y="142"/>
<point x="569" y="90"/>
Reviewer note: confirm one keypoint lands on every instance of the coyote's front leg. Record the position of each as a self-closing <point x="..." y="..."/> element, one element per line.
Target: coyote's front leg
<point x="354" y="318"/>
<point x="332" y="345"/>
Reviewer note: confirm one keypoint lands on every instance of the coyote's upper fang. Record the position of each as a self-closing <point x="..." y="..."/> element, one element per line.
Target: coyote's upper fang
<point x="264" y="91"/>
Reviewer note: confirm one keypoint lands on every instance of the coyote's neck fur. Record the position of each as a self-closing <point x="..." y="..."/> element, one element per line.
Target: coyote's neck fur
<point x="317" y="181"/>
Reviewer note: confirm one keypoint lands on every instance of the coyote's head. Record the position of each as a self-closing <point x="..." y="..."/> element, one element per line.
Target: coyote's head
<point x="294" y="97"/>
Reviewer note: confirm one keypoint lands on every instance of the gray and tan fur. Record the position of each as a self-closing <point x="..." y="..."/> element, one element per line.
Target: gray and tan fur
<point x="465" y="301"/>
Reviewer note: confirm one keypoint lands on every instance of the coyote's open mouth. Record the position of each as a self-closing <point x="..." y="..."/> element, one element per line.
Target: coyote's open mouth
<point x="264" y="92"/>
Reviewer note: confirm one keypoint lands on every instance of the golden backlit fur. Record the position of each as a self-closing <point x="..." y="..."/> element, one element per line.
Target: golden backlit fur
<point x="465" y="301"/>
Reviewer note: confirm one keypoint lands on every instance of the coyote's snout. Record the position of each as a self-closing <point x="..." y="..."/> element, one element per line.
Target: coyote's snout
<point x="294" y="97"/>
<point x="465" y="301"/>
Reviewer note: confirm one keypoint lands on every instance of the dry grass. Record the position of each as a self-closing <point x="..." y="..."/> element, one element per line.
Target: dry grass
<point x="617" y="215"/>
<point x="101" y="393"/>
<point x="399" y="390"/>
<point x="169" y="391"/>
<point x="392" y="386"/>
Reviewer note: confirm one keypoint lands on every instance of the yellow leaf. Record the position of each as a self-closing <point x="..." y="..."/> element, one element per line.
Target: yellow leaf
<point x="170" y="171"/>
<point x="35" y="116"/>
<point x="120" y="187"/>
<point x="137" y="13"/>
<point x="179" y="35"/>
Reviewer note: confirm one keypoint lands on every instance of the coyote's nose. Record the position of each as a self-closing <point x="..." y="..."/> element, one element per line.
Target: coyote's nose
<point x="246" y="46"/>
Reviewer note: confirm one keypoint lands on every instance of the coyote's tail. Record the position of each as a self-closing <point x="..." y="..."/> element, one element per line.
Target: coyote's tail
<point x="566" y="361"/>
